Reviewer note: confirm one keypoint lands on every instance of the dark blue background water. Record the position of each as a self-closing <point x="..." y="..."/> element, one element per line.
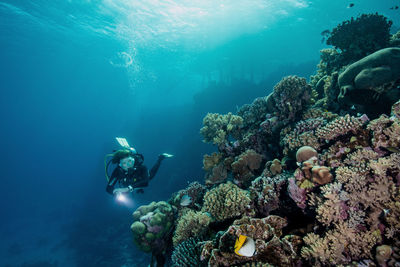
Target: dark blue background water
<point x="76" y="74"/>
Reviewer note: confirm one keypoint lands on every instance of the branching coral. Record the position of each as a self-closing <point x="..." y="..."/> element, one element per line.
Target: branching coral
<point x="303" y="134"/>
<point x="226" y="201"/>
<point x="339" y="126"/>
<point x="386" y="133"/>
<point x="266" y="192"/>
<point x="290" y="97"/>
<point x="218" y="128"/>
<point x="337" y="201"/>
<point x="187" y="254"/>
<point x="190" y="224"/>
<point x="253" y="114"/>
<point x="339" y="246"/>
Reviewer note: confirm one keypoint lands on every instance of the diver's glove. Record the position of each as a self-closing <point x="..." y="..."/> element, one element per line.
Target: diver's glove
<point x="165" y="155"/>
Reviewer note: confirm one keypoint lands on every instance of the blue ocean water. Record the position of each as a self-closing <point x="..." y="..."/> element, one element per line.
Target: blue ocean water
<point x="77" y="73"/>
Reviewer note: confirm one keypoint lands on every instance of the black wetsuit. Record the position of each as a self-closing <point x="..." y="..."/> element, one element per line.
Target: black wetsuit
<point x="138" y="176"/>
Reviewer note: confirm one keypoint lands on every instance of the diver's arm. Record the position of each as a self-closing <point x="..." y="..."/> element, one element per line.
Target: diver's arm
<point x="155" y="168"/>
<point x="115" y="176"/>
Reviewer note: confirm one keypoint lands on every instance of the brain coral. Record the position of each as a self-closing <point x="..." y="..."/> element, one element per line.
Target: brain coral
<point x="152" y="226"/>
<point x="226" y="201"/>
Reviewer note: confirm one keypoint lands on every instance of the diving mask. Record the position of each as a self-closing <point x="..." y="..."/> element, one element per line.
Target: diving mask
<point x="127" y="163"/>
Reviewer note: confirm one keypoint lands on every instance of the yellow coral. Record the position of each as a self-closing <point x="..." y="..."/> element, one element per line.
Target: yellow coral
<point x="217" y="127"/>
<point x="210" y="161"/>
<point x="226" y="201"/>
<point x="190" y="224"/>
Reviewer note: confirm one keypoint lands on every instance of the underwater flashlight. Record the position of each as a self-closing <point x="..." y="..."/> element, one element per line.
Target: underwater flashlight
<point x="121" y="197"/>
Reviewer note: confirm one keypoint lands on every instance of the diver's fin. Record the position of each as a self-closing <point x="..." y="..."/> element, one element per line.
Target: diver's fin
<point x="122" y="141"/>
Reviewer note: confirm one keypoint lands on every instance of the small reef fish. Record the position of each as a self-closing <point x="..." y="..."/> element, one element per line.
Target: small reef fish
<point x="186" y="200"/>
<point x="245" y="246"/>
<point x="394" y="7"/>
<point x="350" y="5"/>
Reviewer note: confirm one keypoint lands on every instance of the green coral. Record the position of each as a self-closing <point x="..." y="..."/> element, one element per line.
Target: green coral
<point x="138" y="227"/>
<point x="187" y="254"/>
<point x="152" y="226"/>
<point x="190" y="224"/>
<point x="226" y="201"/>
<point x="290" y="97"/>
<point x="218" y="128"/>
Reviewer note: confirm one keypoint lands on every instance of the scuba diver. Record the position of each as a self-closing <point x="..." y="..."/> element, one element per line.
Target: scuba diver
<point x="130" y="173"/>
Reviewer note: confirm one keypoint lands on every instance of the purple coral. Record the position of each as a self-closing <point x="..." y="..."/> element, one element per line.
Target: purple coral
<point x="299" y="195"/>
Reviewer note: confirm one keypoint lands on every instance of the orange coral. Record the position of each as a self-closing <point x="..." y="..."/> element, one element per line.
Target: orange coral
<point x="321" y="175"/>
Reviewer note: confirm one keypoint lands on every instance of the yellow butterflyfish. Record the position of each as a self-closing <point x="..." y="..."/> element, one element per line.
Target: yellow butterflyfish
<point x="245" y="246"/>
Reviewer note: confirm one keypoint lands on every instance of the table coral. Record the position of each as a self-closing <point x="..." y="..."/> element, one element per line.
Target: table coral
<point x="226" y="201"/>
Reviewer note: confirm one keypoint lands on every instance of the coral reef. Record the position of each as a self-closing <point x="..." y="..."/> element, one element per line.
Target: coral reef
<point x="190" y="224"/>
<point x="271" y="247"/>
<point x="245" y="165"/>
<point x="152" y="226"/>
<point x="311" y="183"/>
<point x="187" y="254"/>
<point x="254" y="113"/>
<point x="226" y="201"/>
<point x="218" y="128"/>
<point x="195" y="191"/>
<point x="266" y="192"/>
<point x="357" y="38"/>
<point x="371" y="76"/>
<point x="339" y="126"/>
<point x="290" y="97"/>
